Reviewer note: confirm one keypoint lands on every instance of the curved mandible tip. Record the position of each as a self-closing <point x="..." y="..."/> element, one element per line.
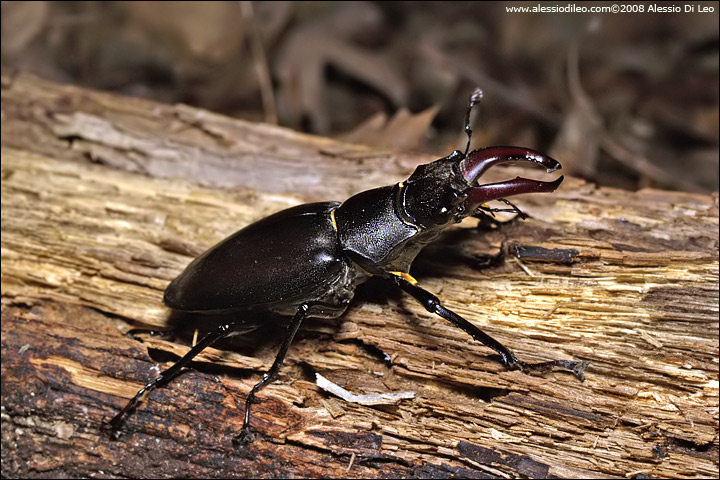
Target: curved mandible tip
<point x="493" y="191"/>
<point x="478" y="161"/>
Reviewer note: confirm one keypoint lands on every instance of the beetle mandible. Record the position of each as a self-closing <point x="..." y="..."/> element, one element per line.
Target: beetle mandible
<point x="307" y="260"/>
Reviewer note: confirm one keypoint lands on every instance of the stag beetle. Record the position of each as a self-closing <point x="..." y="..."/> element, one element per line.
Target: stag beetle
<point x="307" y="260"/>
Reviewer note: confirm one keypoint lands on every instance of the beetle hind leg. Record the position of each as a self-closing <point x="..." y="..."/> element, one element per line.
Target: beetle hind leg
<point x="221" y="331"/>
<point x="433" y="305"/>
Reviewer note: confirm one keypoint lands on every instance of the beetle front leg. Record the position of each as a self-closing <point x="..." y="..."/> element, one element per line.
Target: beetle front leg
<point x="490" y="220"/>
<point x="246" y="435"/>
<point x="432" y="304"/>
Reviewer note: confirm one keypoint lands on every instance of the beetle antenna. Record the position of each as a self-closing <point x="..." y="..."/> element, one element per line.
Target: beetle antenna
<point x="474" y="100"/>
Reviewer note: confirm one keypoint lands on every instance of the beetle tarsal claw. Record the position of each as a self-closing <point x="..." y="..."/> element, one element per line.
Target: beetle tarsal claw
<point x="245" y="437"/>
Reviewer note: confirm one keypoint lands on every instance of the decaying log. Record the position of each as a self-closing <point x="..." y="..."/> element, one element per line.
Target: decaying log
<point x="105" y="199"/>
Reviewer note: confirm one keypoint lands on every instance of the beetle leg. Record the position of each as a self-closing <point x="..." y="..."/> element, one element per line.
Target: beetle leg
<point x="167" y="375"/>
<point x="488" y="222"/>
<point x="432" y="304"/>
<point x="491" y="210"/>
<point x="245" y="435"/>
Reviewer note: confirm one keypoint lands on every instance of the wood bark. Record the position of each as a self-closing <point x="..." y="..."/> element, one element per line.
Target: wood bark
<point x="105" y="199"/>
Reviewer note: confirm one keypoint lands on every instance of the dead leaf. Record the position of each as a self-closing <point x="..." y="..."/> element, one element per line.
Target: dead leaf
<point x="405" y="131"/>
<point x="21" y="23"/>
<point x="307" y="52"/>
<point x="209" y="31"/>
<point x="577" y="144"/>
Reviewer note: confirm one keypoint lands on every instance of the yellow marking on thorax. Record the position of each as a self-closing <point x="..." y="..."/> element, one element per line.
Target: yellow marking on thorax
<point x="332" y="217"/>
<point x="399" y="202"/>
<point x="406" y="276"/>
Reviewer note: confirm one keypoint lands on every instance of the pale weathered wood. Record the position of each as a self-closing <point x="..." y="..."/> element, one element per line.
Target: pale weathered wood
<point x="87" y="250"/>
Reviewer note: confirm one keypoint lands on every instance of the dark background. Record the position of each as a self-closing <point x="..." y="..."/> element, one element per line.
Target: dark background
<point x="627" y="100"/>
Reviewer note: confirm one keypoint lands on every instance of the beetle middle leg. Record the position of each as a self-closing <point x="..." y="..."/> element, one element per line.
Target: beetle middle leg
<point x="245" y="435"/>
<point x="433" y="305"/>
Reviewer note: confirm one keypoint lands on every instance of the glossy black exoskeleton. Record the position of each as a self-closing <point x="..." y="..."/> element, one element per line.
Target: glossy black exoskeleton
<point x="307" y="260"/>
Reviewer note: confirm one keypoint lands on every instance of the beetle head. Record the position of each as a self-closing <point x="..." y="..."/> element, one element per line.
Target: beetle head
<point x="446" y="191"/>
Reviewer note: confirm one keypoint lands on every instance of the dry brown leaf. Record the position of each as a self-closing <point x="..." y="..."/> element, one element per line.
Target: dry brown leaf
<point x="577" y="143"/>
<point x="368" y="131"/>
<point x="305" y="54"/>
<point x="405" y="131"/>
<point x="21" y="23"/>
<point x="209" y="31"/>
